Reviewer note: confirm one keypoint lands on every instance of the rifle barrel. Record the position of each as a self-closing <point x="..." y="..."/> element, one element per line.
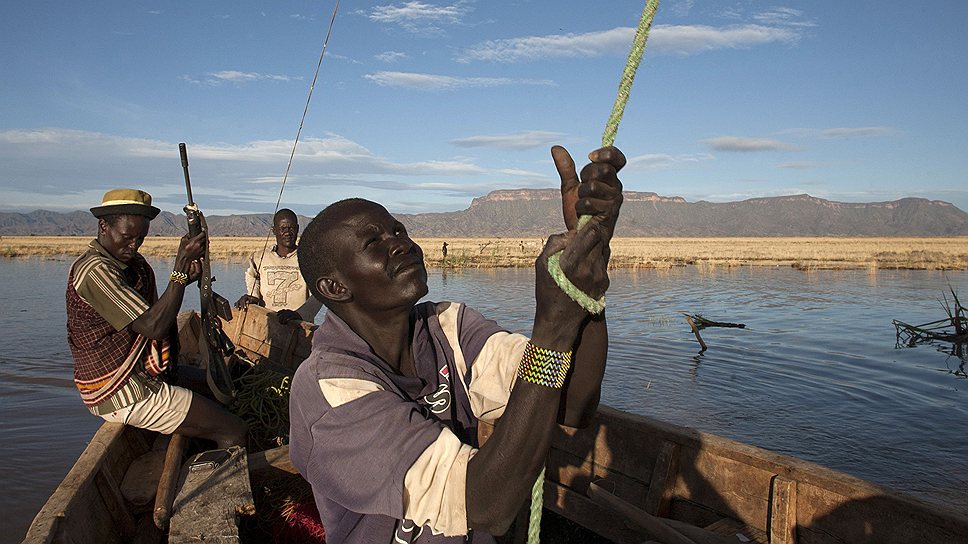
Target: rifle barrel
<point x="188" y="181"/>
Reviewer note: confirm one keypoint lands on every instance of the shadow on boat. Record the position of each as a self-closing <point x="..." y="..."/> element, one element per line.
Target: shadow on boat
<point x="731" y="492"/>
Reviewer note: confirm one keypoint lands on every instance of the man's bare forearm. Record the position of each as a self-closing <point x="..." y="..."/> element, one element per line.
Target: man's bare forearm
<point x="157" y="321"/>
<point x="501" y="474"/>
<point x="583" y="390"/>
<point x="503" y="471"/>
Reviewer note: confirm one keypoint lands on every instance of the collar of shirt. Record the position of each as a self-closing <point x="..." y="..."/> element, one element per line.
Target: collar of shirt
<point x="335" y="335"/>
<point x="291" y="255"/>
<point x="96" y="246"/>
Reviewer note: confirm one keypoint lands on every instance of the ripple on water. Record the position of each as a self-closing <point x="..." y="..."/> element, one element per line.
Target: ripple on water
<point x="814" y="374"/>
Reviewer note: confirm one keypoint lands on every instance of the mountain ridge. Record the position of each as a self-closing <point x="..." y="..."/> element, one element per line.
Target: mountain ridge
<point x="537" y="212"/>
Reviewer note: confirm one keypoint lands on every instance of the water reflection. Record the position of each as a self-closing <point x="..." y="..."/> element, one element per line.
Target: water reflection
<point x="817" y="373"/>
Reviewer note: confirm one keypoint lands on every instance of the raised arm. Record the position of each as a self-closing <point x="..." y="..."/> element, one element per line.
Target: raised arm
<point x="500" y="475"/>
<point x="157" y="321"/>
<point x="599" y="195"/>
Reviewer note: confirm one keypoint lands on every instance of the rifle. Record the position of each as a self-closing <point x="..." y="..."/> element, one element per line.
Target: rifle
<point x="214" y="345"/>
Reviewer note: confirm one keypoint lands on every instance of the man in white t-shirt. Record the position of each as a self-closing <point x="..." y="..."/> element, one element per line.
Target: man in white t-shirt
<point x="273" y="279"/>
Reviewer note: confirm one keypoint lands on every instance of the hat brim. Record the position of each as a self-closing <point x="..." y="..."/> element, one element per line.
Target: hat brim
<point x="126" y="209"/>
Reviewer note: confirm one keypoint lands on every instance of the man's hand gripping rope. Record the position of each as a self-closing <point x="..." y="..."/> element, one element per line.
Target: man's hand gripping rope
<point x="590" y="206"/>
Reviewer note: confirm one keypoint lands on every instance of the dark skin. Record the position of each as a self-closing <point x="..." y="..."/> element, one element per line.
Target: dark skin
<point x="286" y="230"/>
<point x="205" y="418"/>
<point x="382" y="275"/>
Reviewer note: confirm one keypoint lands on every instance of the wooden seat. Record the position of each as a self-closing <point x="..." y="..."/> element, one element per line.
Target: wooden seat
<point x="739" y="530"/>
<point x="140" y="482"/>
<point x="211" y="500"/>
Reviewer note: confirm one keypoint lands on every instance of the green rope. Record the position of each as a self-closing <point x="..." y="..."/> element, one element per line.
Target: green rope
<point x="534" y="520"/>
<point x="608" y="138"/>
<point x="554" y="267"/>
<point x="631" y="65"/>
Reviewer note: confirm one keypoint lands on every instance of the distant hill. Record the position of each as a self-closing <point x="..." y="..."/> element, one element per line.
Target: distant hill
<point x="537" y="212"/>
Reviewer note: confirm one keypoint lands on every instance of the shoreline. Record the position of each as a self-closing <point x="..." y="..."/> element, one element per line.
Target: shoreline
<point x="807" y="253"/>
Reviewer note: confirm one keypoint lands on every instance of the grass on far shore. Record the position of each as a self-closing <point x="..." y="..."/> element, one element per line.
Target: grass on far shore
<point x="804" y="253"/>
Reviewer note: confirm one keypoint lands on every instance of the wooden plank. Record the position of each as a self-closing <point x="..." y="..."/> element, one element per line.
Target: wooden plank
<point x="114" y="503"/>
<point x="720" y="478"/>
<point x="577" y="474"/>
<point x="730" y="487"/>
<point x="276" y="458"/>
<point x="878" y="518"/>
<point x="581" y="510"/>
<point x="600" y="494"/>
<point x="733" y="528"/>
<point x="783" y="512"/>
<point x="75" y="508"/>
<point x="659" y="498"/>
<point x="257" y="333"/>
<point x="209" y="503"/>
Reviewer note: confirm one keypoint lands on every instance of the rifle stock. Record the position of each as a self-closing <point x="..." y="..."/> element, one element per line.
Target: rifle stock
<point x="217" y="346"/>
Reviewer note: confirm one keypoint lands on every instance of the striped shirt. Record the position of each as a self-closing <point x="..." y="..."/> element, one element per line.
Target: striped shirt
<point x="113" y="365"/>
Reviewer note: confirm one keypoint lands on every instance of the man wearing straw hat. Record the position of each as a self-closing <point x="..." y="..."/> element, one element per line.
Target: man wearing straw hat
<point x="120" y="330"/>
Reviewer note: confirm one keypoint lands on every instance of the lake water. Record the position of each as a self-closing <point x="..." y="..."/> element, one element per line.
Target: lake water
<point x="815" y="373"/>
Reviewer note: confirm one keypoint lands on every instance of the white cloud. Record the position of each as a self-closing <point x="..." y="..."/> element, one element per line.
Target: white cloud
<point x="334" y="150"/>
<point x="693" y="39"/>
<point x="682" y="8"/>
<point x="390" y="56"/>
<point x="236" y="77"/>
<point x="800" y="165"/>
<point x="783" y="16"/>
<point x="850" y="132"/>
<point x="418" y="17"/>
<point x="520" y="173"/>
<point x="344" y="58"/>
<point x="745" y="144"/>
<point x="73" y="162"/>
<point x="675" y="39"/>
<point x="518" y="141"/>
<point x="73" y="144"/>
<point x="592" y="44"/>
<point x="433" y="82"/>
<point x="655" y="161"/>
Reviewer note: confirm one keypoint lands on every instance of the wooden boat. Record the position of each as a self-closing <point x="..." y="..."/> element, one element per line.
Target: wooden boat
<point x="96" y="503"/>
<point x="625" y="478"/>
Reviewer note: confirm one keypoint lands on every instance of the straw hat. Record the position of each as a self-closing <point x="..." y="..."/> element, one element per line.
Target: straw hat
<point x="126" y="202"/>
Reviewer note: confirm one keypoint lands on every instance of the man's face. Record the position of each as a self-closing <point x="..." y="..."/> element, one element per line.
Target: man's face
<point x="123" y="239"/>
<point x="377" y="261"/>
<point x="286" y="230"/>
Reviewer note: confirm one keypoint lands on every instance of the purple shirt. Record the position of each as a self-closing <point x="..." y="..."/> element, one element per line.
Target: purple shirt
<point x="356" y="453"/>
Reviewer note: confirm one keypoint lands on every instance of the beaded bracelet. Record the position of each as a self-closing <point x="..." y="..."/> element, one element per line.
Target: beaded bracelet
<point x="178" y="277"/>
<point x="544" y="366"/>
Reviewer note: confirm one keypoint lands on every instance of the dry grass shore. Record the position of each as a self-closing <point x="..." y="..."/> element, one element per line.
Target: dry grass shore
<point x="804" y="253"/>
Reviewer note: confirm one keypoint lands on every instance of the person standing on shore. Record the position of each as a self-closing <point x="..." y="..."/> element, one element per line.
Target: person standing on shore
<point x="384" y="412"/>
<point x="121" y="332"/>
<point x="273" y="280"/>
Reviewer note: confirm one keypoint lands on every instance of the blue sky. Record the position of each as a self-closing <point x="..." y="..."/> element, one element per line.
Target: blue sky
<point x="424" y="105"/>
